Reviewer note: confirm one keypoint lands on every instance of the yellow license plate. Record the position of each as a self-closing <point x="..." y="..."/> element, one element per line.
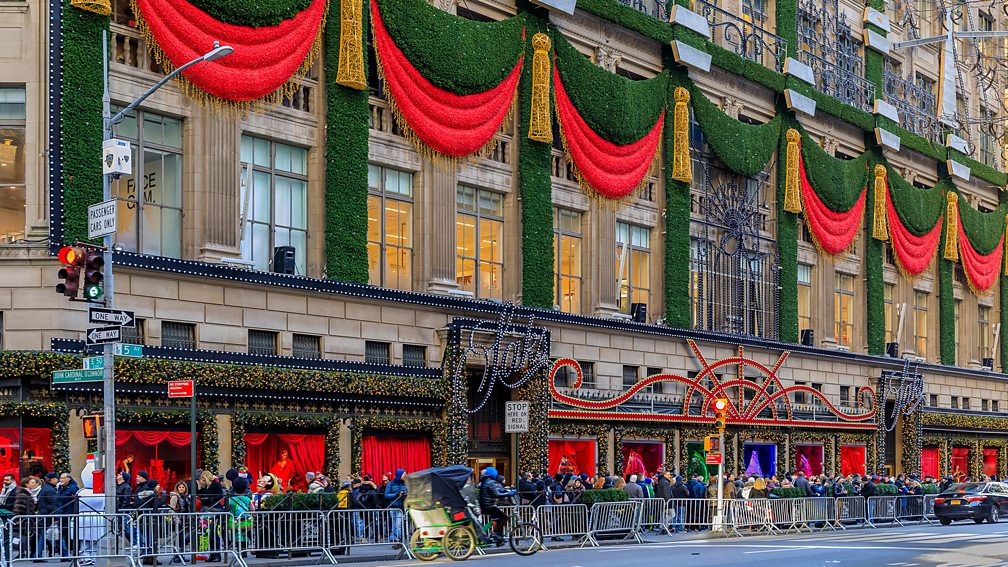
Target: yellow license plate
<point x="957" y="502"/>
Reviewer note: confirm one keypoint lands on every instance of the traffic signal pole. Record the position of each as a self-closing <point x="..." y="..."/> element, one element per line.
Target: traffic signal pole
<point x="108" y="380"/>
<point x="719" y="519"/>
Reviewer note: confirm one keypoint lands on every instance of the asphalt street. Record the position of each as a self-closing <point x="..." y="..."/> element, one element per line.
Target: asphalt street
<point x="961" y="544"/>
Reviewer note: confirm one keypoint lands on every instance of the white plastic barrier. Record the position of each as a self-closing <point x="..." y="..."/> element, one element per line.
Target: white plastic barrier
<point x="615" y="518"/>
<point x="883" y="509"/>
<point x="850" y="510"/>
<point x="79" y="538"/>
<point x="654" y="515"/>
<point x="563" y="520"/>
<point x="692" y="513"/>
<point x="162" y="536"/>
<point x="270" y="533"/>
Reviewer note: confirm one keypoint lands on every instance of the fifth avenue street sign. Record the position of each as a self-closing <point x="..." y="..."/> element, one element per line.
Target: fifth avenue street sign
<point x="102" y="335"/>
<point x="99" y="315"/>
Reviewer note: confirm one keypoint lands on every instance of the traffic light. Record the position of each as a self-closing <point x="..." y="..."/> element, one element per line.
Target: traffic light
<point x="94" y="275"/>
<point x="720" y="414"/>
<point x="91" y="424"/>
<point x="72" y="258"/>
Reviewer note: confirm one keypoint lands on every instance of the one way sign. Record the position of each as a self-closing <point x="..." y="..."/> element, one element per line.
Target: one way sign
<point x="101" y="335"/>
<point x="101" y="315"/>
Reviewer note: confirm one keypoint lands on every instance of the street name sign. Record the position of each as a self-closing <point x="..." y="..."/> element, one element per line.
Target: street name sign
<point x="94" y="363"/>
<point x="74" y="376"/>
<point x="516" y="417"/>
<point x="100" y="315"/>
<point x="180" y="389"/>
<point x="102" y="218"/>
<point x="102" y="335"/>
<point x="127" y="350"/>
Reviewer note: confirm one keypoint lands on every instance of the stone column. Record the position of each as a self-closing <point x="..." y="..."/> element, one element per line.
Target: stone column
<point x="216" y="207"/>
<point x="438" y="226"/>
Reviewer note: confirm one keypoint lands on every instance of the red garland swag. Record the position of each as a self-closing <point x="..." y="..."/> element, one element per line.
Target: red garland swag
<point x="264" y="59"/>
<point x="834" y="232"/>
<point x="611" y="170"/>
<point x="981" y="270"/>
<point x="914" y="253"/>
<point x="454" y="125"/>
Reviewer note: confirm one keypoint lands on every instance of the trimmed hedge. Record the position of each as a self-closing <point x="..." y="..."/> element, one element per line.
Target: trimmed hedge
<point x="589" y="497"/>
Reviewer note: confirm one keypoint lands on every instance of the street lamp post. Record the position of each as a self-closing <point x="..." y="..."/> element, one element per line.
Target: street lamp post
<point x="108" y="121"/>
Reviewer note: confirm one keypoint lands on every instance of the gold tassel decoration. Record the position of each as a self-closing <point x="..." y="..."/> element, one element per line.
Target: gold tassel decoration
<point x="540" y="119"/>
<point x="792" y="185"/>
<point x="100" y="7"/>
<point x="952" y="227"/>
<point x="350" y="70"/>
<point x="880" y="223"/>
<point x="682" y="162"/>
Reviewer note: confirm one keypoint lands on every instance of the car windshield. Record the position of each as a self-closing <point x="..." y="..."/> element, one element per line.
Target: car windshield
<point x="967" y="487"/>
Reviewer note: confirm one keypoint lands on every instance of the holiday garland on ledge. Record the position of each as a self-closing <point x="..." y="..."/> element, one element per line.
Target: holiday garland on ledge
<point x="451" y="82"/>
<point x="267" y="64"/>
<point x="914" y="222"/>
<point x="980" y="239"/>
<point x="743" y="148"/>
<point x="611" y="126"/>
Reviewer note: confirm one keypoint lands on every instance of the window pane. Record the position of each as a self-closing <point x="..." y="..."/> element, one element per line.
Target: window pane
<point x="171" y="233"/>
<point x="282" y="201"/>
<point x="374" y="268"/>
<point x="246" y="149"/>
<point x="299" y="240"/>
<point x="12" y="103"/>
<point x="405" y="184"/>
<point x="261" y="152"/>
<point x="490" y="240"/>
<point x="261" y="252"/>
<point x="127" y="128"/>
<point x="374" y="218"/>
<point x="299" y="204"/>
<point x="283" y="157"/>
<point x="465" y="236"/>
<point x="171" y="185"/>
<point x="491" y="203"/>
<point x="299" y="161"/>
<point x="172" y="132"/>
<point x="260" y="196"/>
<point x="12" y="188"/>
<point x="12" y="155"/>
<point x="465" y="198"/>
<point x="374" y="177"/>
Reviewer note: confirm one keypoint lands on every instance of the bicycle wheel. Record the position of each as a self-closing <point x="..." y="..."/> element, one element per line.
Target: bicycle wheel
<point x="424" y="549"/>
<point x="525" y="538"/>
<point x="459" y="542"/>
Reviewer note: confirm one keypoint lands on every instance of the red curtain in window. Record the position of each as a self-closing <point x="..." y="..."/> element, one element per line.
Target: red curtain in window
<point x="305" y="453"/>
<point x="642" y="458"/>
<point x="960" y="462"/>
<point x="809" y="458"/>
<point x="990" y="456"/>
<point x="852" y="459"/>
<point x="153" y="438"/>
<point x="571" y="455"/>
<point x="386" y="453"/>
<point x="929" y="461"/>
<point x="163" y="454"/>
<point x="37" y="440"/>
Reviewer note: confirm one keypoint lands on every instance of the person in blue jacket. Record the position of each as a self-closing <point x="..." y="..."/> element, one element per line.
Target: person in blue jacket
<point x="49" y="503"/>
<point x="395" y="494"/>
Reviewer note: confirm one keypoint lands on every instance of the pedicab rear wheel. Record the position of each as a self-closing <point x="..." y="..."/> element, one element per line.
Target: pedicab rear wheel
<point x="422" y="548"/>
<point x="459" y="542"/>
<point x="525" y="538"/>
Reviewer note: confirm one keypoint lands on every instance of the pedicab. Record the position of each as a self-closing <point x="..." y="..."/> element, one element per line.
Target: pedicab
<point x="442" y="505"/>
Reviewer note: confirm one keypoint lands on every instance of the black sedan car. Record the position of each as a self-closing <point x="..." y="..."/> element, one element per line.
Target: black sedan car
<point x="978" y="501"/>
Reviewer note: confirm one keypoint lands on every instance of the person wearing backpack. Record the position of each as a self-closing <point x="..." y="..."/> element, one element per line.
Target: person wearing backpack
<point x="240" y="505"/>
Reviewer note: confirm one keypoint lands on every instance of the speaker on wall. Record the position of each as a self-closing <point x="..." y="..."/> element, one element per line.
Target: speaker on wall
<point x="638" y="312"/>
<point x="808" y="337"/>
<point x="283" y="260"/>
<point x="892" y="350"/>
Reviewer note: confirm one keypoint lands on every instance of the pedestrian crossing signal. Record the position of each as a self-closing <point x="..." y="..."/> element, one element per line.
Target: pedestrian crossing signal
<point x="91" y="424"/>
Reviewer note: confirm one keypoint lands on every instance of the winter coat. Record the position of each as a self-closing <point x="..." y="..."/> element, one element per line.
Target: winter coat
<point x="68" y="498"/>
<point x="679" y="490"/>
<point x="489" y="491"/>
<point x="395" y="493"/>
<point x="178" y="503"/>
<point x="634" y="490"/>
<point x="22" y="502"/>
<point x="816" y="490"/>
<point x="315" y="487"/>
<point x="527" y="490"/>
<point x="148" y="500"/>
<point x="663" y="489"/>
<point x="868" y="489"/>
<point x="124" y="496"/>
<point x="210" y="496"/>
<point x="48" y="500"/>
<point x="369" y="496"/>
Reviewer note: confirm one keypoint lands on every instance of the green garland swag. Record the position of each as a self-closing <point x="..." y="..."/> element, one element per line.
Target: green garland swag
<point x="435" y="426"/>
<point x="346" y="154"/>
<point x="206" y="427"/>
<point x="918" y="209"/>
<point x="20" y="363"/>
<point x="618" y="109"/>
<point x="984" y="230"/>
<point x="629" y="18"/>
<point x="837" y="182"/>
<point x="677" y="214"/>
<point x="787" y="242"/>
<point x="535" y="185"/>
<point x="946" y="303"/>
<point x="453" y="53"/>
<point x="743" y="148"/>
<point x="328" y="423"/>
<point x="874" y="276"/>
<point x="81" y="118"/>
<point x="256" y="14"/>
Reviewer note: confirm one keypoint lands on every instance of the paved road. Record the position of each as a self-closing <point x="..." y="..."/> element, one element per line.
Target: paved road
<point x="966" y="545"/>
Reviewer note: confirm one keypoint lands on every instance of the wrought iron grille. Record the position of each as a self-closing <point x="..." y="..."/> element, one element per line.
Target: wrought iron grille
<point x="262" y="342"/>
<point x="178" y="335"/>
<point x="734" y="266"/>
<point x="655" y="8"/>
<point x="746" y="36"/>
<point x="915" y="101"/>
<point x="826" y="44"/>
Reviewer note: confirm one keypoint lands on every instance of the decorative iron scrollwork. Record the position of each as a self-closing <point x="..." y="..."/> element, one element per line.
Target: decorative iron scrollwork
<point x="826" y="43"/>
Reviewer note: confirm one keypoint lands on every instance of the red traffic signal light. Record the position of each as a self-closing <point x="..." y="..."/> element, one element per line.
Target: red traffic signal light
<point x="72" y="258"/>
<point x="94" y="274"/>
<point x="720" y="413"/>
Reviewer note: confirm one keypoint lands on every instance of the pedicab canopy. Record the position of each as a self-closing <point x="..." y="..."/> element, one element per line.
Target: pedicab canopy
<point x="441" y="487"/>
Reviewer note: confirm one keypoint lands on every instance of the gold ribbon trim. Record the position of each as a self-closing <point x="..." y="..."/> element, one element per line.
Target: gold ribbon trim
<point x="880" y="223"/>
<point x="792" y="185"/>
<point x="682" y="163"/>
<point x="100" y="7"/>
<point x="350" y="69"/>
<point x="952" y="227"/>
<point x="540" y="119"/>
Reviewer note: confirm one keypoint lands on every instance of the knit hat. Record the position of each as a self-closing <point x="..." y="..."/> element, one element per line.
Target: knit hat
<point x="583" y="477"/>
<point x="51" y="475"/>
<point x="125" y="476"/>
<point x="152" y="484"/>
<point x="144" y="475"/>
<point x="240" y="485"/>
<point x="232" y="474"/>
<point x="647" y="480"/>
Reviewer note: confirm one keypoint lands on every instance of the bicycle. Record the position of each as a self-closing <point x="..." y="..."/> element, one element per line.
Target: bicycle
<point x="458" y="540"/>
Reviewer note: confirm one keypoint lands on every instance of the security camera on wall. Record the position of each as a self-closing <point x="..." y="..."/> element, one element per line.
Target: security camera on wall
<point x="566" y="6"/>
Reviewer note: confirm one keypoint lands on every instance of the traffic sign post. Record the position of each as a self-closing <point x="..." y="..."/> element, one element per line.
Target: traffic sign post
<point x="187" y="389"/>
<point x="516" y="417"/>
<point x="103" y="335"/>
<point x="102" y="219"/>
<point x="103" y="316"/>
<point x="180" y="389"/>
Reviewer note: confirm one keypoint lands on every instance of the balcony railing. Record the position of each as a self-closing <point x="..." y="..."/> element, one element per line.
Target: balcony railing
<point x="655" y="8"/>
<point x="839" y="82"/>
<point x="827" y="44"/>
<point x="743" y="37"/>
<point x="915" y="102"/>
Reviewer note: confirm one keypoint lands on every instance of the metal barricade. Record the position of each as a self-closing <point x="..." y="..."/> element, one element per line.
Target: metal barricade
<point x="689" y="514"/>
<point x="911" y="508"/>
<point x="816" y="513"/>
<point x="929" y="513"/>
<point x="883" y="509"/>
<point x="518" y="514"/>
<point x="268" y="534"/>
<point x="615" y="519"/>
<point x="782" y="514"/>
<point x="563" y="520"/>
<point x="850" y="510"/>
<point x="80" y="538"/>
<point x="162" y="536"/>
<point x="754" y="515"/>
<point x="654" y="515"/>
<point x="347" y="529"/>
